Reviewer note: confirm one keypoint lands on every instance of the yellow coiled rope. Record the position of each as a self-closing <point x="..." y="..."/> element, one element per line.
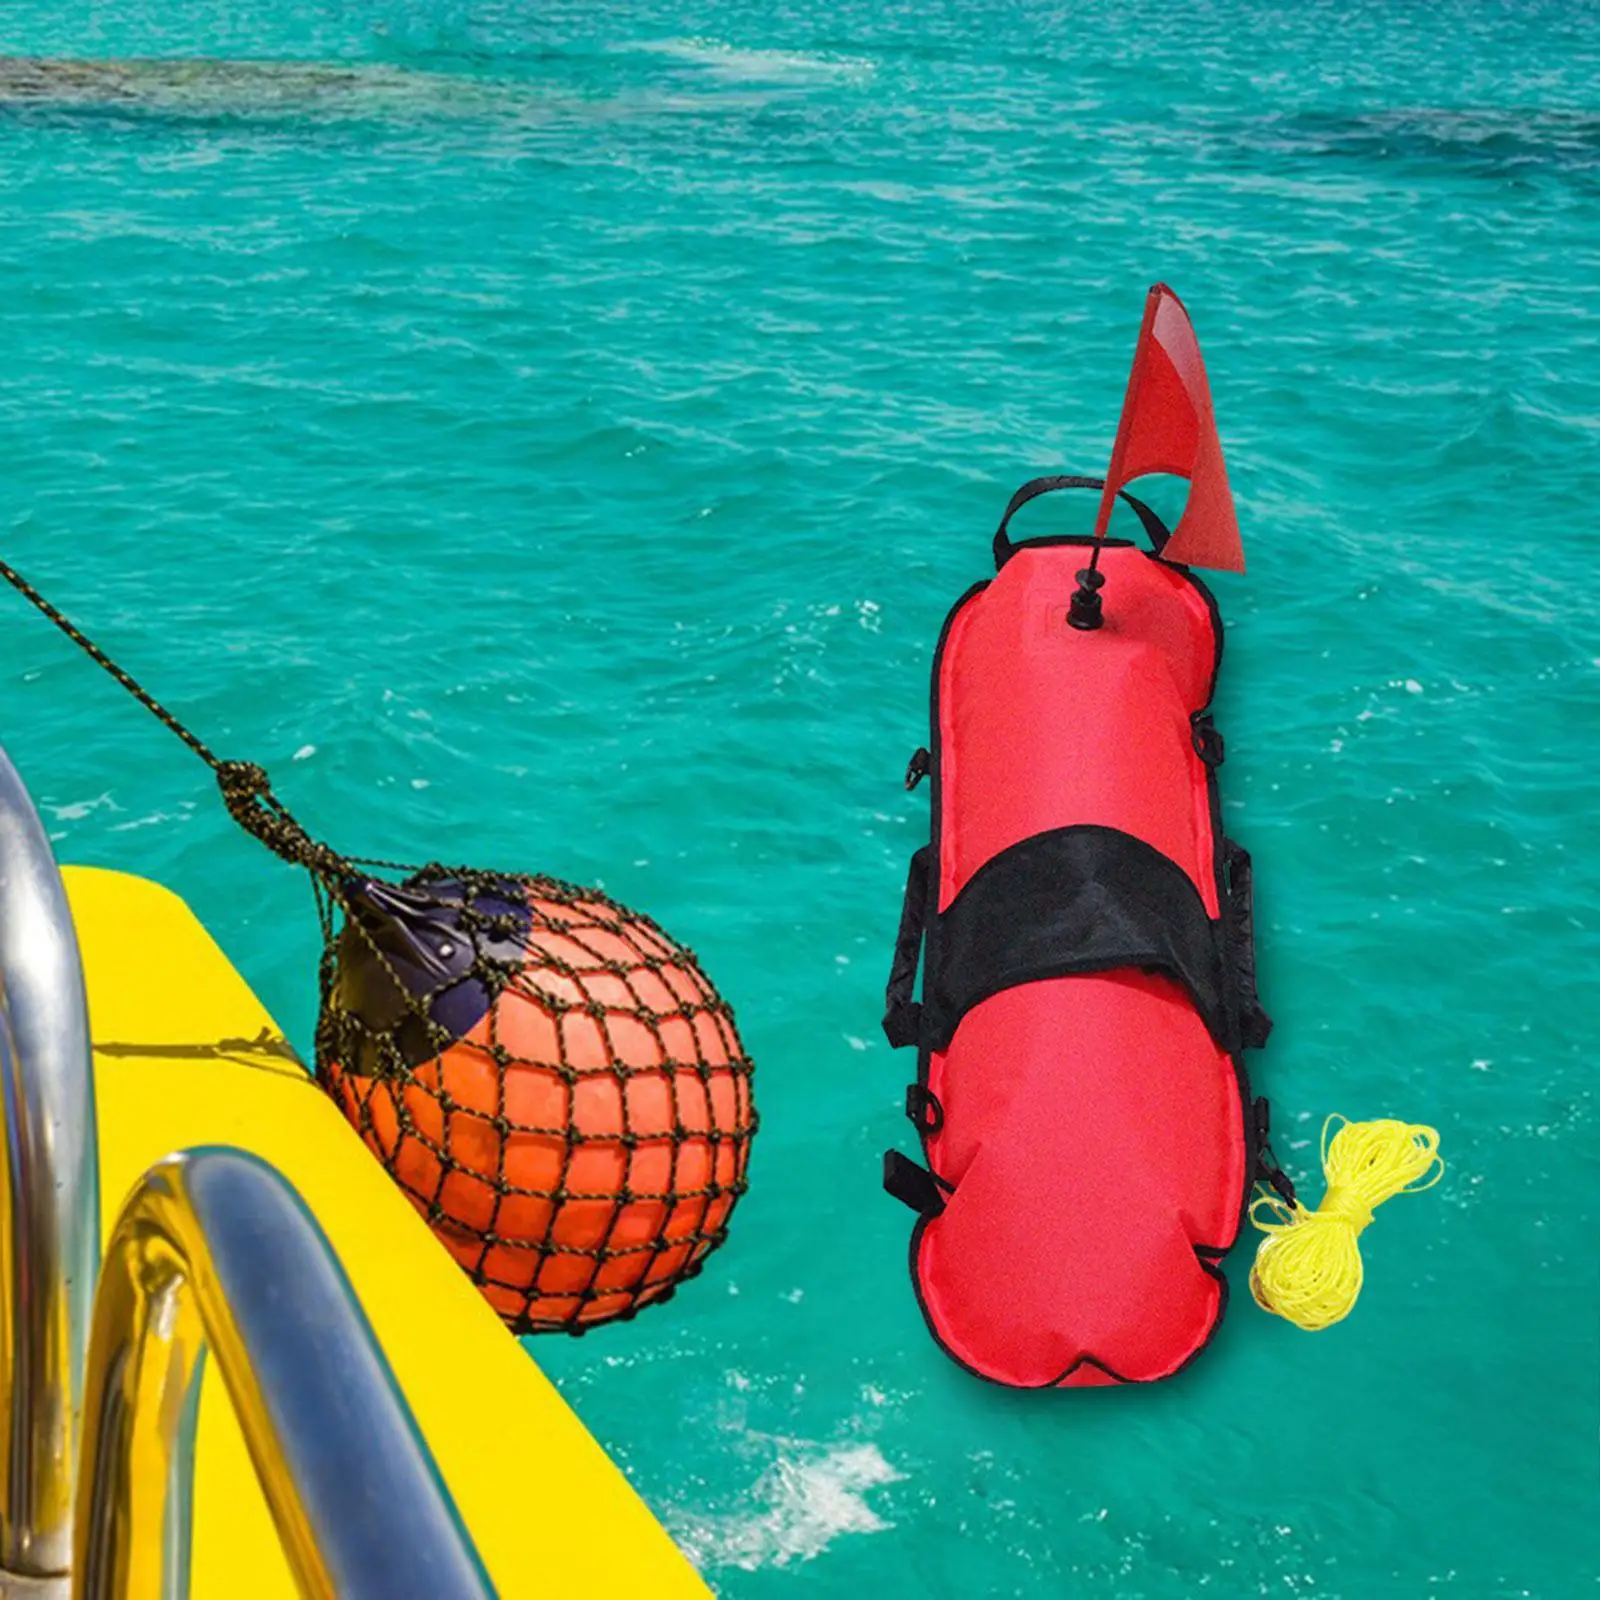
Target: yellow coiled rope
<point x="1308" y="1268"/>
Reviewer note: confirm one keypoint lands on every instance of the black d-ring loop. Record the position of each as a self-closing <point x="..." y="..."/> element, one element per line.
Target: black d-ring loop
<point x="1208" y="742"/>
<point x="924" y="1110"/>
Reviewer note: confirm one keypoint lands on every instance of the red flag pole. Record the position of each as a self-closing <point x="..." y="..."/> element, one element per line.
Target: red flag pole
<point x="1086" y="612"/>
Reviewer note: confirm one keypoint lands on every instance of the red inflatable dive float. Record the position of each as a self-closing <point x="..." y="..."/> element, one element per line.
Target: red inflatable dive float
<point x="1084" y="929"/>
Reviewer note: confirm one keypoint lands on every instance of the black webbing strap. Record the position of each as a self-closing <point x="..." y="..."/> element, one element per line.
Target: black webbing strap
<point x="1239" y="938"/>
<point x="1073" y="900"/>
<point x="1070" y="901"/>
<point x="1076" y="900"/>
<point x="913" y="1185"/>
<point x="1004" y="549"/>
<point x="902" y="1017"/>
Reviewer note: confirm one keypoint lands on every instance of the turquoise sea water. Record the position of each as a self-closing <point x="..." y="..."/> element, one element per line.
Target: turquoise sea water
<point x="558" y="445"/>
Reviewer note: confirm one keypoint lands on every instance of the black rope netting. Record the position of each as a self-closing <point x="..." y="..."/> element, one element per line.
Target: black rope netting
<point x="548" y="1076"/>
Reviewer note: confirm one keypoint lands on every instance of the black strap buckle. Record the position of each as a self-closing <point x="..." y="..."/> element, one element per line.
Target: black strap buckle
<point x="1281" y="1181"/>
<point x="924" y="1110"/>
<point x="914" y="1186"/>
<point x="1267" y="1169"/>
<point x="918" y="768"/>
<point x="1263" y="1122"/>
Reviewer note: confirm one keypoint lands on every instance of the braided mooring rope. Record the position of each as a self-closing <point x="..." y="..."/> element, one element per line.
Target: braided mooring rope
<point x="549" y="1077"/>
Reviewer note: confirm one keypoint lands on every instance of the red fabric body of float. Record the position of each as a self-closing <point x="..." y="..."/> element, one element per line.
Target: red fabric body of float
<point x="1094" y="1131"/>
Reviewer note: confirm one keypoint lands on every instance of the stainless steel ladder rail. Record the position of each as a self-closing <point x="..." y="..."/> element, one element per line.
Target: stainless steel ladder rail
<point x="49" y="1192"/>
<point x="215" y="1251"/>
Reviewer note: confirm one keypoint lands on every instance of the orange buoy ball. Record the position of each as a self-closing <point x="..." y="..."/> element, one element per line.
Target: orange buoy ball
<point x="549" y="1077"/>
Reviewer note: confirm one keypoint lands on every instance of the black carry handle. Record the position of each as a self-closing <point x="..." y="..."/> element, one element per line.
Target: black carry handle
<point x="902" y="1017"/>
<point x="1240" y="935"/>
<point x="1004" y="549"/>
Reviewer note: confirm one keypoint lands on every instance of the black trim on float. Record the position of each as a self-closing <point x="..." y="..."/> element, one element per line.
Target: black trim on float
<point x="930" y="948"/>
<point x="1209" y="1258"/>
<point x="1247" y="1113"/>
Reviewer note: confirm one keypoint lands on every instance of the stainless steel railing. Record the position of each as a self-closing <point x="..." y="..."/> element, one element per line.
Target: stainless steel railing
<point x="215" y="1250"/>
<point x="49" y="1192"/>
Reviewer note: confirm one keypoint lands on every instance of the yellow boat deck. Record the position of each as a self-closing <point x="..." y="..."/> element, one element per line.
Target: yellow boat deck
<point x="185" y="1055"/>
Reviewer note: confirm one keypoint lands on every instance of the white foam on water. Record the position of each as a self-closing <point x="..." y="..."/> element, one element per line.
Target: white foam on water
<point x="807" y="1498"/>
<point x="77" y="810"/>
<point x="754" y="66"/>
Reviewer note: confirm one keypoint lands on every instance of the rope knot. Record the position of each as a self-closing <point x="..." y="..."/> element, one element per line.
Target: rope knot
<point x="247" y="794"/>
<point x="241" y="782"/>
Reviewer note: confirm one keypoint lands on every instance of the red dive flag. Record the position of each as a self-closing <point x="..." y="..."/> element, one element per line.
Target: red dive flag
<point x="1167" y="426"/>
